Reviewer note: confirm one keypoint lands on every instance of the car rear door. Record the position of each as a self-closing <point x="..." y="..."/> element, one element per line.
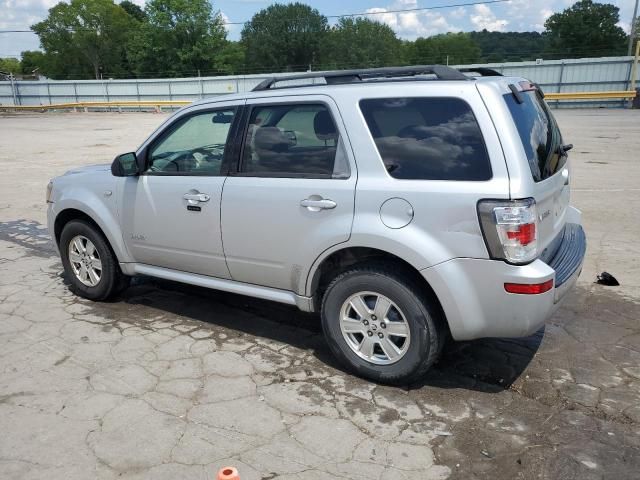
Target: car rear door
<point x="292" y="194"/>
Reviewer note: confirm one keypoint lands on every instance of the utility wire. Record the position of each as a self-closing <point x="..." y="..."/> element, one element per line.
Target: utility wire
<point x="345" y="15"/>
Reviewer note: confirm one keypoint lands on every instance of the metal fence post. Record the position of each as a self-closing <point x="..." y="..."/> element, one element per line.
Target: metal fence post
<point x="169" y="85"/>
<point x="634" y="69"/>
<point x="18" y="92"/>
<point x="138" y="93"/>
<point x="49" y="93"/>
<point x="13" y="89"/>
<point x="561" y="77"/>
<point x="75" y="91"/>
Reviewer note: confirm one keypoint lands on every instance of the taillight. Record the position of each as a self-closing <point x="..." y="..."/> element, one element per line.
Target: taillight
<point x="510" y="229"/>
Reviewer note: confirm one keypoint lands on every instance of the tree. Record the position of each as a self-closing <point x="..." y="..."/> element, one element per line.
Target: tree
<point x="33" y="60"/>
<point x="10" y="65"/>
<point x="85" y="38"/>
<point x="447" y="48"/>
<point x="284" y="37"/>
<point x="230" y="59"/>
<point x="133" y="10"/>
<point x="180" y="37"/>
<point x="585" y="29"/>
<point x="509" y="46"/>
<point x="360" y="42"/>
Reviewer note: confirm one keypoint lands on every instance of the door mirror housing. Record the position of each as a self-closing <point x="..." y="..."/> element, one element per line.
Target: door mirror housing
<point x="125" y="165"/>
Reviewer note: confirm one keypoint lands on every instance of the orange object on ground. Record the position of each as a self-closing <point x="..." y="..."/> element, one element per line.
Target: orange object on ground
<point x="228" y="473"/>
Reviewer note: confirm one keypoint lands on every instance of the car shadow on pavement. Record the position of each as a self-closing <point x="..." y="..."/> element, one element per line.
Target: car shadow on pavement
<point x="487" y="365"/>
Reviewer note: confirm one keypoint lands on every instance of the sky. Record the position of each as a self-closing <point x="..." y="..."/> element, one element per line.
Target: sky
<point x="514" y="15"/>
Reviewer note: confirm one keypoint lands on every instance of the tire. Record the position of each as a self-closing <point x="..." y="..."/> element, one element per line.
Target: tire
<point x="424" y="337"/>
<point x="111" y="280"/>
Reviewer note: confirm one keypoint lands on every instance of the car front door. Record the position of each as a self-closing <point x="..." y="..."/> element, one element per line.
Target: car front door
<point x="292" y="196"/>
<point x="170" y="213"/>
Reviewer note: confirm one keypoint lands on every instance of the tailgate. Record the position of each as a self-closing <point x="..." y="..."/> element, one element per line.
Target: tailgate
<point x="547" y="159"/>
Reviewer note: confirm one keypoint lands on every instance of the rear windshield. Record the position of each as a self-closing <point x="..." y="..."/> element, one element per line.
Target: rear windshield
<point x="427" y="138"/>
<point x="538" y="132"/>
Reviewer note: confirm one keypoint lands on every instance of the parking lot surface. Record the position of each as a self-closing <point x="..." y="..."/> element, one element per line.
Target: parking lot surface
<point x="172" y="382"/>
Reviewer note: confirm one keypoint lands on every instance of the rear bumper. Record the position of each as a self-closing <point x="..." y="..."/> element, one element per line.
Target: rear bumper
<point x="476" y="304"/>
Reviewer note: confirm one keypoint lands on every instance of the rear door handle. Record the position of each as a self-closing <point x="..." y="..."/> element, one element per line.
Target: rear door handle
<point x="316" y="205"/>
<point x="194" y="198"/>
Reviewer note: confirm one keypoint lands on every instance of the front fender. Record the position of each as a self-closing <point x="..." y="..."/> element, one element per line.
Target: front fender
<point x="101" y="208"/>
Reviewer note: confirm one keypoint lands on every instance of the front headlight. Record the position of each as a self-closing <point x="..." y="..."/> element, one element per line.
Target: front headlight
<point x="49" y="191"/>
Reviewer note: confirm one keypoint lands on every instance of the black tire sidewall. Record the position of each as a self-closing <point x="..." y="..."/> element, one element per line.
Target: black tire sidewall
<point x="421" y="326"/>
<point x="110" y="269"/>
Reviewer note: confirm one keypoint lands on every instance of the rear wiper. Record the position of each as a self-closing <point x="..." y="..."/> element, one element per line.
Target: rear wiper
<point x="563" y="149"/>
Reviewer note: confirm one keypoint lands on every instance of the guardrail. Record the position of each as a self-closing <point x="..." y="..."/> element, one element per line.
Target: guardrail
<point x="614" y="95"/>
<point x="158" y="104"/>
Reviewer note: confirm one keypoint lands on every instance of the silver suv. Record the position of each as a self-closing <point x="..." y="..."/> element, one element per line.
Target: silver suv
<point x="405" y="205"/>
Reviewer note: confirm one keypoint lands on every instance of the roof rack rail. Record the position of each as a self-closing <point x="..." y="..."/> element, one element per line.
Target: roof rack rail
<point x="348" y="76"/>
<point x="483" y="71"/>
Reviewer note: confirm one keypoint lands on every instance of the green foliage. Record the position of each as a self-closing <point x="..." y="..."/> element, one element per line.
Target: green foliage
<point x="230" y="59"/>
<point x="93" y="38"/>
<point x="10" y="65"/>
<point x="360" y="42"/>
<point x="451" y="48"/>
<point x="32" y="60"/>
<point x="180" y="37"/>
<point x="85" y="38"/>
<point x="284" y="37"/>
<point x="509" y="46"/>
<point x="133" y="10"/>
<point x="585" y="29"/>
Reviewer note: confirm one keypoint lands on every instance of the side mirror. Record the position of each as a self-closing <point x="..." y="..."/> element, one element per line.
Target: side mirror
<point x="125" y="165"/>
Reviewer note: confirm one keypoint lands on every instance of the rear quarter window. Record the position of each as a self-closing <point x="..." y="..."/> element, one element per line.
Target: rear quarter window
<point x="539" y="134"/>
<point x="427" y="138"/>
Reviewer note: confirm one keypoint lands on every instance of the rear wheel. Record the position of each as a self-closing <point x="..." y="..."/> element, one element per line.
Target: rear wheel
<point x="89" y="263"/>
<point x="380" y="325"/>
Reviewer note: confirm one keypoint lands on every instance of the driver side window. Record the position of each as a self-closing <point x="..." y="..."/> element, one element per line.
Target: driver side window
<point x="196" y="146"/>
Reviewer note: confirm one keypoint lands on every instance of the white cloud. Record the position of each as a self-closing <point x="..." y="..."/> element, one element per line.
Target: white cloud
<point x="411" y="25"/>
<point x="458" y="13"/>
<point x="484" y="18"/>
<point x="626" y="26"/>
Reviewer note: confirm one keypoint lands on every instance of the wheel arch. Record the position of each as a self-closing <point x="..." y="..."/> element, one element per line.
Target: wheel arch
<point x="71" y="213"/>
<point x="344" y="258"/>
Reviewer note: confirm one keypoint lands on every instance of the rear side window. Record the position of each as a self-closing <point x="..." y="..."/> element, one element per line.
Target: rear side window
<point x="427" y="138"/>
<point x="293" y="140"/>
<point x="538" y="132"/>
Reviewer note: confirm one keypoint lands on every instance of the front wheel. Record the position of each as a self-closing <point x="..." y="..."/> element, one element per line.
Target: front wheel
<point x="380" y="325"/>
<point x="89" y="263"/>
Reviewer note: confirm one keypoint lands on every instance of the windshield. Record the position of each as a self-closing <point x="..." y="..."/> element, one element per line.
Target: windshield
<point x="538" y="132"/>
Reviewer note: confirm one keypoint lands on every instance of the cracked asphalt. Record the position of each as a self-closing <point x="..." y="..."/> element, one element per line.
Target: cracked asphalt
<point x="172" y="382"/>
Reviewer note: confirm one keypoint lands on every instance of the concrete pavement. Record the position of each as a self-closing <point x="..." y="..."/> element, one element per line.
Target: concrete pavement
<point x="173" y="381"/>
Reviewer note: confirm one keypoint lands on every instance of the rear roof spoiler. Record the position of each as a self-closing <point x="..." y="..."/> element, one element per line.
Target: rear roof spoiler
<point x="484" y="72"/>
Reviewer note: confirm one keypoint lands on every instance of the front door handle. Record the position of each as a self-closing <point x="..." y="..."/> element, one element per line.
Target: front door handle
<point x="319" y="204"/>
<point x="194" y="198"/>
